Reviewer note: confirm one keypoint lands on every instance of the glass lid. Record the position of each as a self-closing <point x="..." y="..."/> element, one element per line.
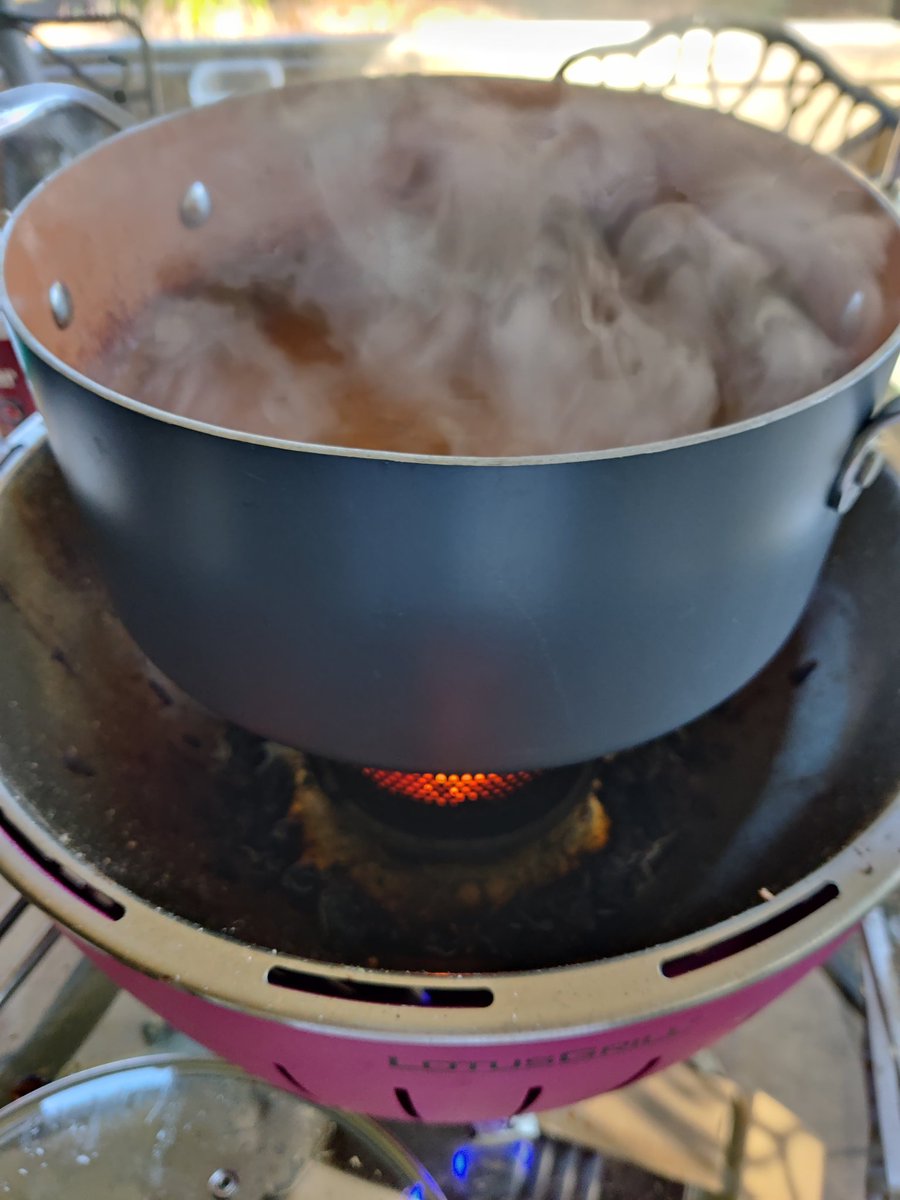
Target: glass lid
<point x="185" y="1129"/>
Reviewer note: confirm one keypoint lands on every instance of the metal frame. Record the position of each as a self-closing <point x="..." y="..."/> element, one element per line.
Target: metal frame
<point x="21" y="65"/>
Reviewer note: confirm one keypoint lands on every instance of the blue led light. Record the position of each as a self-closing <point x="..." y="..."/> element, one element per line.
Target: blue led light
<point x="460" y="1164"/>
<point x="416" y="1192"/>
<point x="527" y="1155"/>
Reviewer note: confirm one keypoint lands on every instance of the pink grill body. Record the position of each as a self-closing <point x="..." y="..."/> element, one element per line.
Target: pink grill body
<point x="459" y="1083"/>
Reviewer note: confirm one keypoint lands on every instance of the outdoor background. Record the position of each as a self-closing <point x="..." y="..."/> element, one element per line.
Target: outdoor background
<point x="265" y="18"/>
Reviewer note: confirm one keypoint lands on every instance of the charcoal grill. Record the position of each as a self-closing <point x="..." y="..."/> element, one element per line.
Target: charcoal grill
<point x="214" y="876"/>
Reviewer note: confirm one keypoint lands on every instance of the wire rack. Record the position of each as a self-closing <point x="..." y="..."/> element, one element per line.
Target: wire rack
<point x="759" y="71"/>
<point x="23" y="52"/>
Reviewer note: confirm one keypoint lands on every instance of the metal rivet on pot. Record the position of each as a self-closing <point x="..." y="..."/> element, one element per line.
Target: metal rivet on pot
<point x="196" y="206"/>
<point x="61" y="304"/>
<point x="223" y="1183"/>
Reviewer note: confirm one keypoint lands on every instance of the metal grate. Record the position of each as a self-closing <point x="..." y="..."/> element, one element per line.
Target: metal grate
<point x="759" y="71"/>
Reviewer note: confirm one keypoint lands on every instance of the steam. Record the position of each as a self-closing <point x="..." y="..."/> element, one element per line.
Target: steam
<point x="490" y="278"/>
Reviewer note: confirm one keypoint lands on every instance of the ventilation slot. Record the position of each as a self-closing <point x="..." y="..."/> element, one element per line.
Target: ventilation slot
<point x="86" y="892"/>
<point x="531" y="1097"/>
<point x="645" y="1070"/>
<point x="405" y="1101"/>
<point x="728" y="947"/>
<point x="289" y="1078"/>
<point x="379" y="993"/>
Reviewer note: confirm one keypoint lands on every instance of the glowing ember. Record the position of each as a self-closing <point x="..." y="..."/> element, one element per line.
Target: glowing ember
<point x="447" y="790"/>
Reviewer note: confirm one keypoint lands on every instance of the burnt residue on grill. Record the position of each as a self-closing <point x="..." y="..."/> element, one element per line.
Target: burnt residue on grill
<point x="224" y="829"/>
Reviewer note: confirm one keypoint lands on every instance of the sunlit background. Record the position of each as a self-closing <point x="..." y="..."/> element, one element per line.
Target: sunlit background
<point x="210" y="18"/>
<point x="726" y="64"/>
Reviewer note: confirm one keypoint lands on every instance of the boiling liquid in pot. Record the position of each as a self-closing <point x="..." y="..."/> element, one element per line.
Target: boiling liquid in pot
<point x="258" y="363"/>
<point x="488" y="279"/>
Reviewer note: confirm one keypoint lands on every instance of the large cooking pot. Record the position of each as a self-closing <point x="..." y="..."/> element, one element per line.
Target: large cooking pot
<point x="412" y="611"/>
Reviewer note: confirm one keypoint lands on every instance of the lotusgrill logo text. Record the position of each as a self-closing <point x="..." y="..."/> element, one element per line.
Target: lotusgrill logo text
<point x="566" y="1058"/>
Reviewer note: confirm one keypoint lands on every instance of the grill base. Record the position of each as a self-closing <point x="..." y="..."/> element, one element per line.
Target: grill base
<point x="462" y="1082"/>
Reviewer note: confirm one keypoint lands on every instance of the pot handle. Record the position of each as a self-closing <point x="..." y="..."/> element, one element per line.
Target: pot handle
<point x="863" y="461"/>
<point x="22" y="106"/>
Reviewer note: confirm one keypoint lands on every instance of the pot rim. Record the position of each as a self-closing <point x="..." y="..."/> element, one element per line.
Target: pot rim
<point x="882" y="353"/>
